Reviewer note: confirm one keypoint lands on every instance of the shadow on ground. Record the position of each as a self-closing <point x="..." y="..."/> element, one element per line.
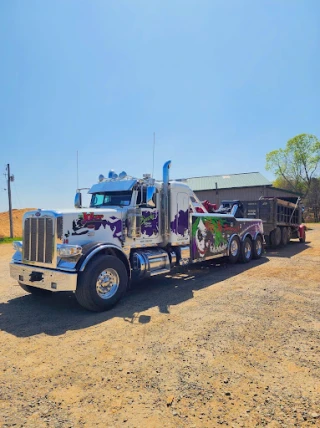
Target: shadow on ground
<point x="29" y="315"/>
<point x="291" y="249"/>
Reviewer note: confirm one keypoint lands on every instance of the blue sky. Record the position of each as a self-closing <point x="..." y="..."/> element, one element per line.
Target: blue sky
<point x="221" y="83"/>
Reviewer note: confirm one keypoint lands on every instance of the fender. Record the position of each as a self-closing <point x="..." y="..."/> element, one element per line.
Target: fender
<point x="302" y="231"/>
<point x="244" y="237"/>
<point x="258" y="234"/>
<point x="253" y="237"/>
<point x="92" y="249"/>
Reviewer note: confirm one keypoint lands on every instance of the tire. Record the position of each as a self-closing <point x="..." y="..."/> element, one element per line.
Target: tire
<point x="275" y="237"/>
<point x="234" y="250"/>
<point x="34" y="290"/>
<point x="289" y="234"/>
<point x="284" y="236"/>
<point x="107" y="270"/>
<point x="257" y="248"/>
<point x="246" y="250"/>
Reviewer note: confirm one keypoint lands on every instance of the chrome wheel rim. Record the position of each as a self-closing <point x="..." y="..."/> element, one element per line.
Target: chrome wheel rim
<point x="107" y="283"/>
<point x="247" y="250"/>
<point x="258" y="247"/>
<point x="234" y="248"/>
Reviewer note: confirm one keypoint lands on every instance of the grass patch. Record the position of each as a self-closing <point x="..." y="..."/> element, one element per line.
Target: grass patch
<point x="8" y="240"/>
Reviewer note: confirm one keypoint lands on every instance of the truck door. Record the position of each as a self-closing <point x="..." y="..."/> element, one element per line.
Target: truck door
<point x="181" y="220"/>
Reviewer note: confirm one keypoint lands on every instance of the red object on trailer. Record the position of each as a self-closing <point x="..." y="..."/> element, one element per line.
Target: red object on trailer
<point x="209" y="207"/>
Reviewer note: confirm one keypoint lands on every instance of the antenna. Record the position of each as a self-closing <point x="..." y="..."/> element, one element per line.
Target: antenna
<point x="154" y="145"/>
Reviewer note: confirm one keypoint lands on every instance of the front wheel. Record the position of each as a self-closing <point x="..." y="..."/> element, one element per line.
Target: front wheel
<point x="102" y="284"/>
<point x="257" y="247"/>
<point x="246" y="250"/>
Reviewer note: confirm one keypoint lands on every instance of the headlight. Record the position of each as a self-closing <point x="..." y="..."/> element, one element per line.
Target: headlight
<point x="69" y="250"/>
<point x="17" y="245"/>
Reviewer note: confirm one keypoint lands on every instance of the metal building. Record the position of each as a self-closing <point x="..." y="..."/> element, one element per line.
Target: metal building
<point x="246" y="186"/>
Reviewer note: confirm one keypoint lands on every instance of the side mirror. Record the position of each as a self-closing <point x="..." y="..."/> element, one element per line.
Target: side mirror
<point x="78" y="200"/>
<point x="151" y="190"/>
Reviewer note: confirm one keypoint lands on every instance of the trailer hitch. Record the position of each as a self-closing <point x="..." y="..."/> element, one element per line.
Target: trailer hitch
<point x="36" y="276"/>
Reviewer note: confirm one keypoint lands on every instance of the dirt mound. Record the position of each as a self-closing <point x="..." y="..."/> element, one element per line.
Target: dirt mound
<point x="17" y="216"/>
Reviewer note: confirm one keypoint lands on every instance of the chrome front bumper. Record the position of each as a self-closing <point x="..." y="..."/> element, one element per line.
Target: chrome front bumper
<point x="46" y="279"/>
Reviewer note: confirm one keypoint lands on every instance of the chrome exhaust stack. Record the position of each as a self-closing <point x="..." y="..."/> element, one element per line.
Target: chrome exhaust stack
<point x="166" y="204"/>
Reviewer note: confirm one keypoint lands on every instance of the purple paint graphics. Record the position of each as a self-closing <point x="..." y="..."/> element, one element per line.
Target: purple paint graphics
<point x="251" y="228"/>
<point x="180" y="224"/>
<point x="150" y="223"/>
<point x="116" y="227"/>
<point x="88" y="222"/>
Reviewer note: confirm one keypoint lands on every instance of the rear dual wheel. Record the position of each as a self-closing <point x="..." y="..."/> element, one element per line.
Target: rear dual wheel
<point x="234" y="250"/>
<point x="284" y="236"/>
<point x="246" y="250"/>
<point x="257" y="247"/>
<point x="275" y="237"/>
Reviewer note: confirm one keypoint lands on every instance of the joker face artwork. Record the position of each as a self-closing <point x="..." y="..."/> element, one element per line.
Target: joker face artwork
<point x="208" y="236"/>
<point x="203" y="240"/>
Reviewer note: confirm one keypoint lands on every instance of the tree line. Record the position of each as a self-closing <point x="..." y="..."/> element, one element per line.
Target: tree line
<point x="297" y="168"/>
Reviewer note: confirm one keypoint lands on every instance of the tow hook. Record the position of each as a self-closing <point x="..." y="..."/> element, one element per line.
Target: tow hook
<point x="36" y="276"/>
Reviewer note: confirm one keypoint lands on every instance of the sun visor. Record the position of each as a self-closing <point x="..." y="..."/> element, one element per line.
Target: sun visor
<point x="113" y="186"/>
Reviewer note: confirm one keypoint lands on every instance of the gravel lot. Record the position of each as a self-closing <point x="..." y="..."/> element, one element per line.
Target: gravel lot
<point x="217" y="345"/>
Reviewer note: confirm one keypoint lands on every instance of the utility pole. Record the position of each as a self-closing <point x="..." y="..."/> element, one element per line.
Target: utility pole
<point x="10" y="178"/>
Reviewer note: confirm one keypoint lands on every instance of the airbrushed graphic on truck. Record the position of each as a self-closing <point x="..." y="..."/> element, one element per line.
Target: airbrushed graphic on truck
<point x="150" y="223"/>
<point x="210" y="235"/>
<point x="88" y="222"/>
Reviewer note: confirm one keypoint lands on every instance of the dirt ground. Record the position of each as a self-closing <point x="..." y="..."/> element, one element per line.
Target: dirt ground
<point x="17" y="216"/>
<point x="235" y="346"/>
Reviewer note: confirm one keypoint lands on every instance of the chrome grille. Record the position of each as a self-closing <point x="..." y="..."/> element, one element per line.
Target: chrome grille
<point x="38" y="239"/>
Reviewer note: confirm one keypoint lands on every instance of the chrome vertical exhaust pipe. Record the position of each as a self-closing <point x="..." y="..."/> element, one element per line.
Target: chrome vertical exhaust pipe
<point x="166" y="204"/>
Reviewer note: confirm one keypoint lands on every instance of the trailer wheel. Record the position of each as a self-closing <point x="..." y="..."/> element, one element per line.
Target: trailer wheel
<point x="234" y="250"/>
<point x="102" y="284"/>
<point x="284" y="236"/>
<point x="289" y="234"/>
<point x="246" y="250"/>
<point x="34" y="290"/>
<point x="257" y="248"/>
<point x="275" y="237"/>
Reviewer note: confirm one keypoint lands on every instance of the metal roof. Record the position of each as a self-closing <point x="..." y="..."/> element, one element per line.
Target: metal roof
<point x="248" y="179"/>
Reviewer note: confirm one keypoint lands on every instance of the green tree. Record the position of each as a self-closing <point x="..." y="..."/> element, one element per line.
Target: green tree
<point x="313" y="199"/>
<point x="281" y="183"/>
<point x="297" y="164"/>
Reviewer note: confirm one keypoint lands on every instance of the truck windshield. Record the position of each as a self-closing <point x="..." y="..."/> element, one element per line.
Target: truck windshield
<point x="109" y="199"/>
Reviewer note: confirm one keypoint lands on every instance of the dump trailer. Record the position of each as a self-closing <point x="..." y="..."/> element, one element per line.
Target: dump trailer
<point x="282" y="218"/>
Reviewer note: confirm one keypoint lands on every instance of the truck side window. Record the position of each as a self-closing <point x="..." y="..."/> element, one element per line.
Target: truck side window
<point x="144" y="198"/>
